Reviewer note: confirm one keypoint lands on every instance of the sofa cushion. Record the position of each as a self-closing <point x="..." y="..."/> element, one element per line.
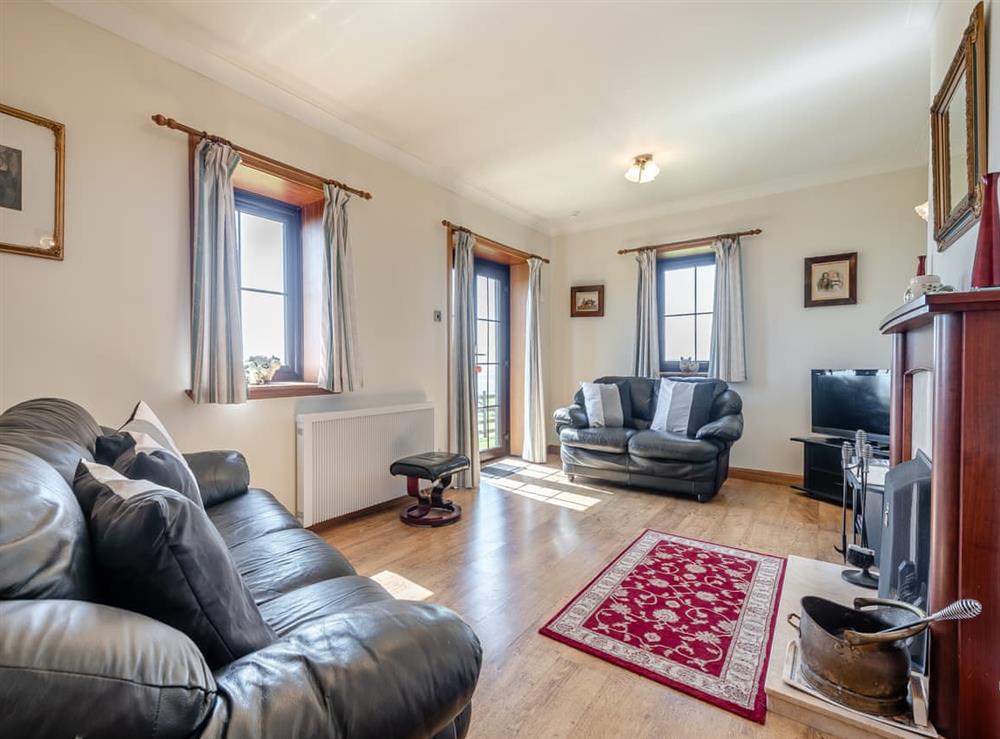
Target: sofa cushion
<point x="677" y="476"/>
<point x="45" y="547"/>
<point x="682" y="407"/>
<point x="121" y="452"/>
<point x="667" y="445"/>
<point x="283" y="561"/>
<point x="604" y="405"/>
<point x="578" y="457"/>
<point x="598" y="439"/>
<point x="250" y="516"/>
<point x="151" y="436"/>
<point x="301" y="607"/>
<point x="625" y="388"/>
<point x="625" y="392"/>
<point x="158" y="554"/>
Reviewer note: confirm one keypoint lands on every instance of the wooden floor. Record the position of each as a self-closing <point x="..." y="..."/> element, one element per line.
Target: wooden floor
<point x="527" y="544"/>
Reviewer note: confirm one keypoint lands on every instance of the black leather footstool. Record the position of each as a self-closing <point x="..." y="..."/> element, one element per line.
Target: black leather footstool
<point x="437" y="467"/>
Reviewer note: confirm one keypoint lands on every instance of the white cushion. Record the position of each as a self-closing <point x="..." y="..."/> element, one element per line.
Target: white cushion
<point x="151" y="435"/>
<point x="603" y="404"/>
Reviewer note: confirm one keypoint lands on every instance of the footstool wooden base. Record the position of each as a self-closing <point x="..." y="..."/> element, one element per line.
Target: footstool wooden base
<point x="438" y="467"/>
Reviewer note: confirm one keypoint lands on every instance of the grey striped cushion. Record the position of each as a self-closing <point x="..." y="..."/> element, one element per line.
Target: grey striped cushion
<point x="683" y="407"/>
<point x="603" y="404"/>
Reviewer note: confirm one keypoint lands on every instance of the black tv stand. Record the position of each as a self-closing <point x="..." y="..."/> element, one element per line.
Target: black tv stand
<point x="822" y="473"/>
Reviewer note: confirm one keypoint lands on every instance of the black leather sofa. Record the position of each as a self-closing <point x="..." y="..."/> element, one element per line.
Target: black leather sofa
<point x="348" y="659"/>
<point x="635" y="455"/>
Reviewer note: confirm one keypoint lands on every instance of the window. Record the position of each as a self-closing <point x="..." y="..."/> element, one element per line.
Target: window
<point x="270" y="242"/>
<point x="685" y="288"/>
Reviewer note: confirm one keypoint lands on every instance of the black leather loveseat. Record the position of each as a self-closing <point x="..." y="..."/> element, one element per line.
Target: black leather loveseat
<point x="635" y="455"/>
<point x="347" y="660"/>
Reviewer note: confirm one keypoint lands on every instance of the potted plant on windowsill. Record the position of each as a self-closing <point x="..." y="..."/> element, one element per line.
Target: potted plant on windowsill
<point x="260" y="369"/>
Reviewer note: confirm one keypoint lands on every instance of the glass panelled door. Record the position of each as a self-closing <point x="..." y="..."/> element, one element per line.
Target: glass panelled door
<point x="492" y="357"/>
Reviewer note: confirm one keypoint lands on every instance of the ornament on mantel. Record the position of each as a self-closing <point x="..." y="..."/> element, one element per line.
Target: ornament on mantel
<point x="924" y="283"/>
<point x="986" y="267"/>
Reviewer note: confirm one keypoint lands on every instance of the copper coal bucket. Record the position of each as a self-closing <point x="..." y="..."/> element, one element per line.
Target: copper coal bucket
<point x="845" y="659"/>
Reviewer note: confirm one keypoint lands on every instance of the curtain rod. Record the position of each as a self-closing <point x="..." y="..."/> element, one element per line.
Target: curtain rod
<point x="675" y="245"/>
<point x="495" y="244"/>
<point x="162" y="120"/>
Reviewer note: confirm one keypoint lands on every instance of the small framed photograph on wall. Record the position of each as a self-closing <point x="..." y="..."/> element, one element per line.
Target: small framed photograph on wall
<point x="32" y="152"/>
<point x="586" y="301"/>
<point x="832" y="280"/>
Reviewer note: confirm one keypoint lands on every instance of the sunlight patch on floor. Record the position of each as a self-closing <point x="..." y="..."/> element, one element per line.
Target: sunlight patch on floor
<point x="400" y="588"/>
<point x="541" y="483"/>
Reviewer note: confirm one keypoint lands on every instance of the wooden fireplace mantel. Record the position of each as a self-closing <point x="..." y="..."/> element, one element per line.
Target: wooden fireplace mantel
<point x="922" y="310"/>
<point x="955" y="337"/>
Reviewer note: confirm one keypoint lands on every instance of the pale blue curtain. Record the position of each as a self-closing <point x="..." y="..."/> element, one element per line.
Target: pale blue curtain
<point x="340" y="364"/>
<point x="728" y="357"/>
<point x="216" y="324"/>
<point x="646" y="360"/>
<point x="463" y="420"/>
<point x="534" y="392"/>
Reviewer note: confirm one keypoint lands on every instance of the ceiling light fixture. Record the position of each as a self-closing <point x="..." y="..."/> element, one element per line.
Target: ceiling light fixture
<point x="643" y="169"/>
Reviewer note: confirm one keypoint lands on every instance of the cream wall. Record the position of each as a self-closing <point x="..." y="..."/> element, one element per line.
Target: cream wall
<point x="109" y="325"/>
<point x="873" y="216"/>
<point x="954" y="265"/>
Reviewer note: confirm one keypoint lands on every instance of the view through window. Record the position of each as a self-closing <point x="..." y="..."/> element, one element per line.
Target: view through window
<point x="686" y="297"/>
<point x="270" y="282"/>
<point x="492" y="285"/>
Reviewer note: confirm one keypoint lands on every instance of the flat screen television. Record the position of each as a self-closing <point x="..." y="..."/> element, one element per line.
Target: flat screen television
<point x="845" y="400"/>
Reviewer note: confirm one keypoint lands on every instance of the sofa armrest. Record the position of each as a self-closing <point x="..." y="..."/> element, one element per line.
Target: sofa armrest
<point x="572" y="416"/>
<point x="221" y="475"/>
<point x="72" y="668"/>
<point x="728" y="428"/>
<point x="387" y="669"/>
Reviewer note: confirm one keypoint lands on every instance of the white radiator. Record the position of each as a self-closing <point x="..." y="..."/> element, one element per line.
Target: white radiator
<point x="343" y="457"/>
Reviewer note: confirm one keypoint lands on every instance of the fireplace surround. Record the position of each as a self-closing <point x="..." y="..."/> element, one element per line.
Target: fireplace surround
<point x="947" y="342"/>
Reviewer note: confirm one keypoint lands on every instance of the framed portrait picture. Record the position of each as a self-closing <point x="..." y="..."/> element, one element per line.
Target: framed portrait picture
<point x="32" y="166"/>
<point x="832" y="280"/>
<point x="586" y="301"/>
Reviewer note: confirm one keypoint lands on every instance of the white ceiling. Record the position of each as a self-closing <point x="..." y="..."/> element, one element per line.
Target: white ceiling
<point x="537" y="108"/>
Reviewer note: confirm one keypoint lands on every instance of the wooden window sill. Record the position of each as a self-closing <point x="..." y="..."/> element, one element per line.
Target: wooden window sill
<point x="683" y="374"/>
<point x="285" y="390"/>
<point x="282" y="390"/>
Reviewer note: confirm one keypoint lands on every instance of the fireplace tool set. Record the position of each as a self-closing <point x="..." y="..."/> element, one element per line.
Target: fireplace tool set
<point x="857" y="460"/>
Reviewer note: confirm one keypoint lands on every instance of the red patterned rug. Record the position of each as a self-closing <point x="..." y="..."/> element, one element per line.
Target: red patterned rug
<point x="696" y="616"/>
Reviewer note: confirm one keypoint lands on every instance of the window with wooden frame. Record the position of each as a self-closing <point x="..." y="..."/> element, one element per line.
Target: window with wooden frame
<point x="685" y="294"/>
<point x="280" y="227"/>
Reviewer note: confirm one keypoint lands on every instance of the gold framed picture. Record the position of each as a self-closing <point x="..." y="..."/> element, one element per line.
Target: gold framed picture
<point x="32" y="173"/>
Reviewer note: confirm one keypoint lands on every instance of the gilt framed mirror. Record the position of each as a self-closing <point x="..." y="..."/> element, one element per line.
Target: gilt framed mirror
<point x="958" y="137"/>
<point x="32" y="167"/>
